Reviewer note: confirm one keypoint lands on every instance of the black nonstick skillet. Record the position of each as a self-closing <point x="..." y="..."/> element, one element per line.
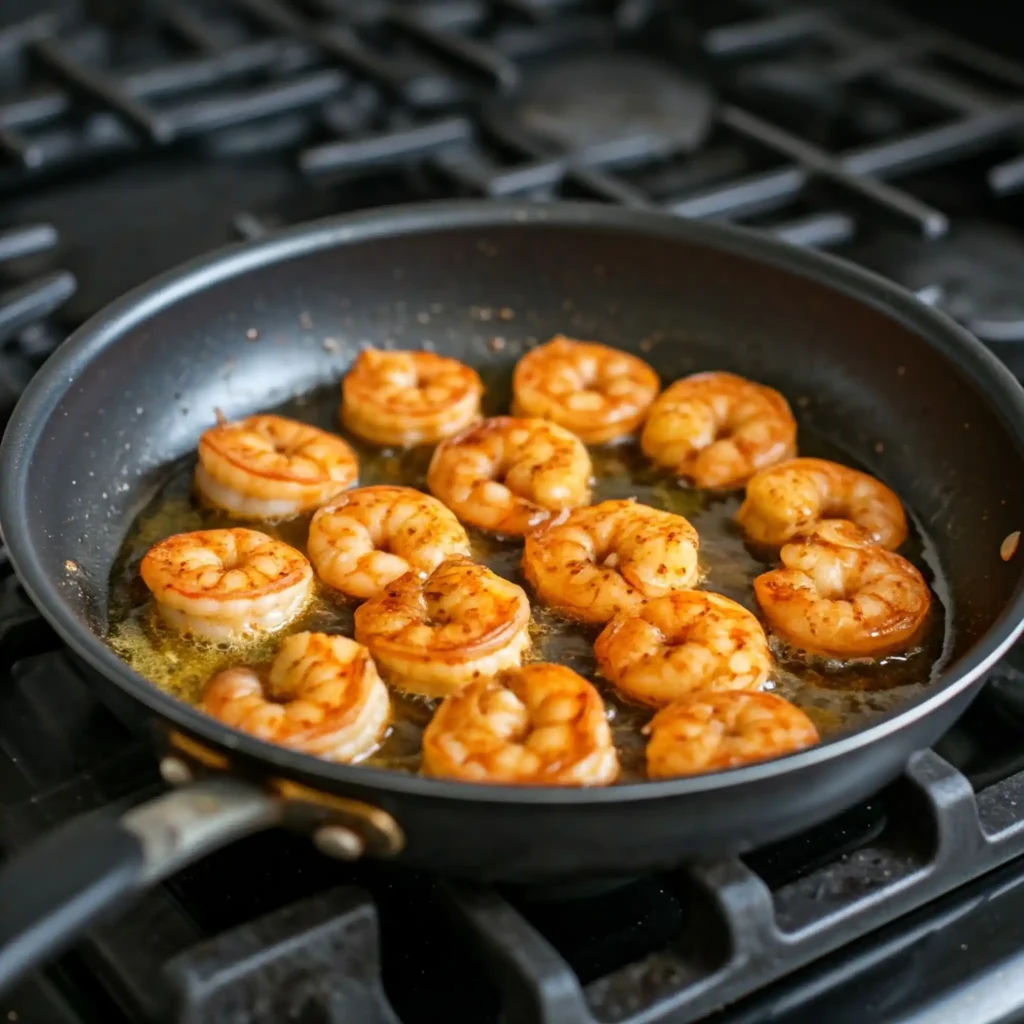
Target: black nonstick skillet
<point x="909" y="394"/>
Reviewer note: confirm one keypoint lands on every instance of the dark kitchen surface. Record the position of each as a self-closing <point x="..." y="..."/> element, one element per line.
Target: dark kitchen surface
<point x="133" y="137"/>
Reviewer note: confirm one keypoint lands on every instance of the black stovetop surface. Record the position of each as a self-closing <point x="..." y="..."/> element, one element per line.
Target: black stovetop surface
<point x="132" y="138"/>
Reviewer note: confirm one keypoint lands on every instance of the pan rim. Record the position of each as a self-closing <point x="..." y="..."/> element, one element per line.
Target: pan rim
<point x="28" y="421"/>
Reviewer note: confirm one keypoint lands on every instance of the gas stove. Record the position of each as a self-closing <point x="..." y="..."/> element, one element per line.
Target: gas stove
<point x="132" y="140"/>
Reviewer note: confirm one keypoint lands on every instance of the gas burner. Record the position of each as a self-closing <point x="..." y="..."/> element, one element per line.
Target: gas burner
<point x="614" y="102"/>
<point x="973" y="274"/>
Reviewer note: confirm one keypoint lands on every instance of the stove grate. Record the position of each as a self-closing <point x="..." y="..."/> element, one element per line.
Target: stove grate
<point x="29" y="295"/>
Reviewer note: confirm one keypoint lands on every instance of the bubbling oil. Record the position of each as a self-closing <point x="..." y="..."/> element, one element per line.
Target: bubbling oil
<point x="838" y="699"/>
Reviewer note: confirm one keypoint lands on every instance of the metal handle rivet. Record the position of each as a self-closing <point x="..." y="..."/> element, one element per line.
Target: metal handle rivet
<point x="339" y="842"/>
<point x="174" y="771"/>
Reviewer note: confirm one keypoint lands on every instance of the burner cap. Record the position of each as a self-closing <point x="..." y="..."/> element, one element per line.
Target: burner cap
<point x="586" y="102"/>
<point x="973" y="274"/>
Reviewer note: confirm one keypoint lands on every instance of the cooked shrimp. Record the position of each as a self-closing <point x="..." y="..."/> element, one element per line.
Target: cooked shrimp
<point x="711" y="731"/>
<point x="785" y="500"/>
<point x="717" y="429"/>
<point x="227" y="584"/>
<point x="541" y="725"/>
<point x="842" y="596"/>
<point x="597" y="392"/>
<point x="509" y="475"/>
<point x="323" y="697"/>
<point x="433" y="636"/>
<point x="608" y="558"/>
<point x="269" y="467"/>
<point x="373" y="535"/>
<point x="687" y="641"/>
<point x="409" y="398"/>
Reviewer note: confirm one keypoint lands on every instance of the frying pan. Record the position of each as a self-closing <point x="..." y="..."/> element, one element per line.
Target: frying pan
<point x="909" y="394"/>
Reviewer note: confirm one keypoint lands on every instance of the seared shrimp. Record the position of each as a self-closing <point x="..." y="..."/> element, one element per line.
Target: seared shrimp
<point x="717" y="429"/>
<point x="687" y="641"/>
<point x="541" y="725"/>
<point x="609" y="558"/>
<point x="227" y="584"/>
<point x="409" y="398"/>
<point x="842" y="596"/>
<point x="269" y="467"/>
<point x="509" y="475"/>
<point x="597" y="392"/>
<point x="711" y="731"/>
<point x="433" y="636"/>
<point x="785" y="500"/>
<point x="323" y="697"/>
<point x="373" y="535"/>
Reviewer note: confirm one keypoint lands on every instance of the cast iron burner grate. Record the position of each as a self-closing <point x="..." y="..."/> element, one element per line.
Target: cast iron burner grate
<point x="815" y="124"/>
<point x="133" y="139"/>
<point x="28" y="295"/>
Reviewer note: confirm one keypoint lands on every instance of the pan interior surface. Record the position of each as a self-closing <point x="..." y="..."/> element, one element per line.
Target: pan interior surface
<point x="897" y="388"/>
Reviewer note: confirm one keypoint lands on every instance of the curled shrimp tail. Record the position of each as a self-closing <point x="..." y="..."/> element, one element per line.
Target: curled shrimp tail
<point x="785" y="501"/>
<point x="538" y="725"/>
<point x="597" y="392"/>
<point x="272" y="468"/>
<point x="684" y="642"/>
<point x="373" y="535"/>
<point x="227" y="584"/>
<point x="718" y="429"/>
<point x="609" y="558"/>
<point x="511" y="475"/>
<point x="840" y="596"/>
<point x="322" y="697"/>
<point x="433" y="635"/>
<point x="409" y="398"/>
<point x="713" y="731"/>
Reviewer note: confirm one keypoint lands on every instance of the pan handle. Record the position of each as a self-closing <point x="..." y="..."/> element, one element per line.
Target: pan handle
<point x="94" y="865"/>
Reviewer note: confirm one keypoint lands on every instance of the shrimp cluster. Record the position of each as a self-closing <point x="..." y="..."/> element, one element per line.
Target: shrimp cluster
<point x="840" y="595"/>
<point x="227" y="584"/>
<point x="609" y="558"/>
<point x="597" y="392"/>
<point x="718" y="429"/>
<point x="436" y="624"/>
<point x="434" y="635"/>
<point x="510" y="475"/>
<point x="788" y="499"/>
<point x="371" y="536"/>
<point x="322" y="696"/>
<point x="409" y="398"/>
<point x="270" y="467"/>
<point x="539" y="725"/>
